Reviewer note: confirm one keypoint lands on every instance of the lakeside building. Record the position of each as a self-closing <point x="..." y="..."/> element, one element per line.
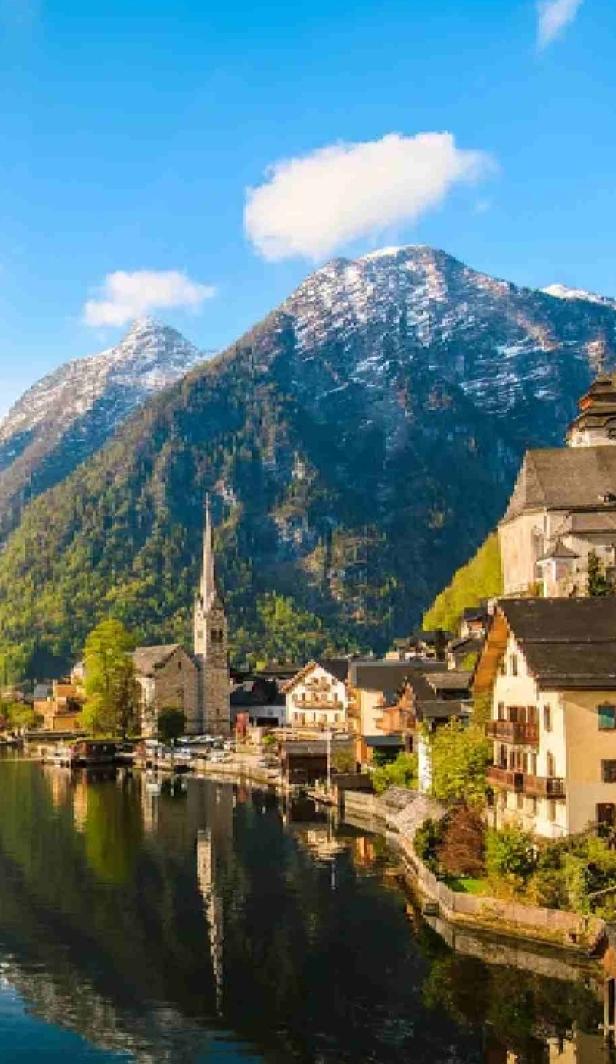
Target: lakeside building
<point x="549" y="670"/>
<point x="317" y="696"/>
<point x="61" y="710"/>
<point x="563" y="506"/>
<point x="167" y="678"/>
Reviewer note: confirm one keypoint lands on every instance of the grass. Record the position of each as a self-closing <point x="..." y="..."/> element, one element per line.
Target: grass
<point x="466" y="884"/>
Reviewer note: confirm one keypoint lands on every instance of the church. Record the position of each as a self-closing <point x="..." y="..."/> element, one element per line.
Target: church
<point x="199" y="684"/>
<point x="563" y="506"/>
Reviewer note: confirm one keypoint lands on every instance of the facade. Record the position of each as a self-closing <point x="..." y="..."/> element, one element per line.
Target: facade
<point x="317" y="697"/>
<point x="166" y="677"/>
<point x="211" y="645"/>
<point x="61" y="711"/>
<point x="550" y="667"/>
<point x="563" y="505"/>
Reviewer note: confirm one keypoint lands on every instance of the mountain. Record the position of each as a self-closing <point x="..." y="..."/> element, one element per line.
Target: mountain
<point x="562" y="291"/>
<point x="68" y="415"/>
<point x="358" y="444"/>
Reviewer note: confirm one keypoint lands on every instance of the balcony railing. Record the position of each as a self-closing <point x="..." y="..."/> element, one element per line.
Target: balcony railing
<point x="509" y="731"/>
<point x="317" y="702"/>
<point x="523" y="783"/>
<point x="544" y="786"/>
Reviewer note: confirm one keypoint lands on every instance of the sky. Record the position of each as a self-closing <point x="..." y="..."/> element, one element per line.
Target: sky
<point x="195" y="160"/>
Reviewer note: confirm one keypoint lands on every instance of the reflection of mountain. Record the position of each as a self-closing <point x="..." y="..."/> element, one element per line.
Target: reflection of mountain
<point x="151" y="941"/>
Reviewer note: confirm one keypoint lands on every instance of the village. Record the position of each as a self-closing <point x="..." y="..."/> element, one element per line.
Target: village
<point x="489" y="752"/>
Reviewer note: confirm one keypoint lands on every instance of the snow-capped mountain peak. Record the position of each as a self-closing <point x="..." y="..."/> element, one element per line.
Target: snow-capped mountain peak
<point x="563" y="291"/>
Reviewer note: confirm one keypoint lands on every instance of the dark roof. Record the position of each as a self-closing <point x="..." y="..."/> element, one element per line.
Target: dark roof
<point x="569" y="642"/>
<point x="564" y="478"/>
<point x="147" y="659"/>
<point x="439" y="709"/>
<point x="475" y="613"/>
<point x="259" y="692"/>
<point x="559" y="550"/>
<point x="466" y="645"/>
<point x="451" y="680"/>
<point x="338" y="667"/>
<point x="380" y="675"/>
<point x="383" y="740"/>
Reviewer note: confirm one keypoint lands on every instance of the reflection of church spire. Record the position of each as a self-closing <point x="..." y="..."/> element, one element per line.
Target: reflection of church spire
<point x="206" y="876"/>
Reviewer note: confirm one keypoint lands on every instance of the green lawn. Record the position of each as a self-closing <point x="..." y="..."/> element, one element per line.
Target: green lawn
<point x="466" y="884"/>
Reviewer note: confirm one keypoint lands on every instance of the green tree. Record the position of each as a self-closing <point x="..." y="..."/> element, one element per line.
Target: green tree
<point x="399" y="773"/>
<point x="598" y="583"/>
<point x="171" y="723"/>
<point x="110" y="680"/>
<point x="481" y="578"/>
<point x="510" y="854"/>
<point x="460" y="754"/>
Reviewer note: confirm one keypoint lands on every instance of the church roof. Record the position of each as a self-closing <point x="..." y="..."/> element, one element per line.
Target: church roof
<point x="564" y="478"/>
<point x="147" y="659"/>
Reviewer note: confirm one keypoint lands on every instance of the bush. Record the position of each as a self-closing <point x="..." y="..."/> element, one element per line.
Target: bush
<point x="427" y="841"/>
<point x="399" y="773"/>
<point x="510" y="854"/>
<point x="460" y="754"/>
<point x="462" y="848"/>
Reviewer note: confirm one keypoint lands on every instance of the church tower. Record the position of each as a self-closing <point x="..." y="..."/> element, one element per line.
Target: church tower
<point x="210" y="643"/>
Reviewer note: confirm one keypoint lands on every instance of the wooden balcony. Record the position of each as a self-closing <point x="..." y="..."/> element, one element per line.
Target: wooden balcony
<point x="544" y="786"/>
<point x="523" y="783"/>
<point x="318" y="702"/>
<point x="504" y="778"/>
<point x="508" y="731"/>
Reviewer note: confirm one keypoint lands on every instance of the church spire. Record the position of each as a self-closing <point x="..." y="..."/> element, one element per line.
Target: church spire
<point x="208" y="576"/>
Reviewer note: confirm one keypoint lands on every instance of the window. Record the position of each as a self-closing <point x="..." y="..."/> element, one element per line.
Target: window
<point x="532" y="764"/>
<point x="531" y="806"/>
<point x="551" y="810"/>
<point x="608" y="771"/>
<point x="501" y="710"/>
<point x="179" y="666"/>
<point x="520" y="801"/>
<point x="550" y="765"/>
<point x="513" y="664"/>
<point x="547" y="718"/>
<point x="607" y="717"/>
<point x="502" y="668"/>
<point x="606" y="815"/>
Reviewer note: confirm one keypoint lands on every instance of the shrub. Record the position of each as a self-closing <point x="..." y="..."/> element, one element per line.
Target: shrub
<point x="427" y="841"/>
<point x="460" y="754"/>
<point x="399" y="773"/>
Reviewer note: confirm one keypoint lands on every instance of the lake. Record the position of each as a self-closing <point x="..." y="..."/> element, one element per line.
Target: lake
<point x="217" y="923"/>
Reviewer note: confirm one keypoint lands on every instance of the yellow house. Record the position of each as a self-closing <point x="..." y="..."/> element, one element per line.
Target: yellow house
<point x="549" y="669"/>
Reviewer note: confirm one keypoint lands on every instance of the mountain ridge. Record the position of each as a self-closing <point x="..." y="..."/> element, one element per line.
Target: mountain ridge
<point x="358" y="444"/>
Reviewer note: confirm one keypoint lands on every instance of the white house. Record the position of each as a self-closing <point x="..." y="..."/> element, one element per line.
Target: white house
<point x="317" y="696"/>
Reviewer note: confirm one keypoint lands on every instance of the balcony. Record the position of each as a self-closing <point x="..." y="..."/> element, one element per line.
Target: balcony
<point x="505" y="778"/>
<point x="318" y="702"/>
<point x="523" y="783"/>
<point x="544" y="786"/>
<point x="508" y="731"/>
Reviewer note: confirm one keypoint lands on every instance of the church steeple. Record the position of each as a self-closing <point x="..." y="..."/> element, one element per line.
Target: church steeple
<point x="210" y="641"/>
<point x="208" y="590"/>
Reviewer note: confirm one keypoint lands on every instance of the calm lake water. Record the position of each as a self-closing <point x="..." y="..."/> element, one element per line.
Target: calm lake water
<point x="212" y="923"/>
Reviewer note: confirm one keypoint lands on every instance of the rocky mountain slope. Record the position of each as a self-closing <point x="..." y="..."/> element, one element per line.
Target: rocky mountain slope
<point x="359" y="444"/>
<point x="69" y="414"/>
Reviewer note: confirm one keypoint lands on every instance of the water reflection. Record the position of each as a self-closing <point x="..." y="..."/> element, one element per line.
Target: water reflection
<point x="198" y="921"/>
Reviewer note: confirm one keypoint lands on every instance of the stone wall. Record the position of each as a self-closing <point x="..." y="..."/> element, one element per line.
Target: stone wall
<point x="175" y="684"/>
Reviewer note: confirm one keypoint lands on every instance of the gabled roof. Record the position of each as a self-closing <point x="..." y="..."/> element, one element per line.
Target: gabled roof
<point x="451" y="680"/>
<point x="380" y="675"/>
<point x="439" y="709"/>
<point x="336" y="667"/>
<point x="147" y="659"/>
<point x="564" y="478"/>
<point x="559" y="550"/>
<point x="567" y="643"/>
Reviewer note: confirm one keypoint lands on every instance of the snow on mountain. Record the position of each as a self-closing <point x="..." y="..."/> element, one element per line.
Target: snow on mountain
<point x="69" y="414"/>
<point x="562" y="291"/>
<point x="150" y="357"/>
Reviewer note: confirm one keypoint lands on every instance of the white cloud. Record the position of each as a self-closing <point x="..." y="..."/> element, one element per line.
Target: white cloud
<point x="124" y="296"/>
<point x="313" y="204"/>
<point x="553" y="17"/>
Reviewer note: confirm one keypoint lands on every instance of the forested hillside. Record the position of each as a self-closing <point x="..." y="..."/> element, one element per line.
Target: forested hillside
<point x="358" y="445"/>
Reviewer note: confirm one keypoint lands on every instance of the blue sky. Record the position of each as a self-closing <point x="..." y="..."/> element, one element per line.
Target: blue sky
<point x="132" y="131"/>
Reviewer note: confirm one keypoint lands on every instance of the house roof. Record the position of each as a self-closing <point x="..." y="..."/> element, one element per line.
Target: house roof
<point x="559" y="550"/>
<point x="147" y="659"/>
<point x="451" y="680"/>
<point x="440" y="709"/>
<point x="567" y="643"/>
<point x="336" y="667"/>
<point x="564" y="478"/>
<point x="379" y="741"/>
<point x="380" y="675"/>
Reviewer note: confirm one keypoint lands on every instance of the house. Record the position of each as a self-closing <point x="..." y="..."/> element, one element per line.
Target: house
<point x="61" y="710"/>
<point x="316" y="697"/>
<point x="563" y="506"/>
<point x="167" y="677"/>
<point x="258" y="702"/>
<point x="549" y="670"/>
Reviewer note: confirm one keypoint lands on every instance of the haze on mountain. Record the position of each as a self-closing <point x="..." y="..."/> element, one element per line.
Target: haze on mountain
<point x="69" y="414"/>
<point x="358" y="444"/>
